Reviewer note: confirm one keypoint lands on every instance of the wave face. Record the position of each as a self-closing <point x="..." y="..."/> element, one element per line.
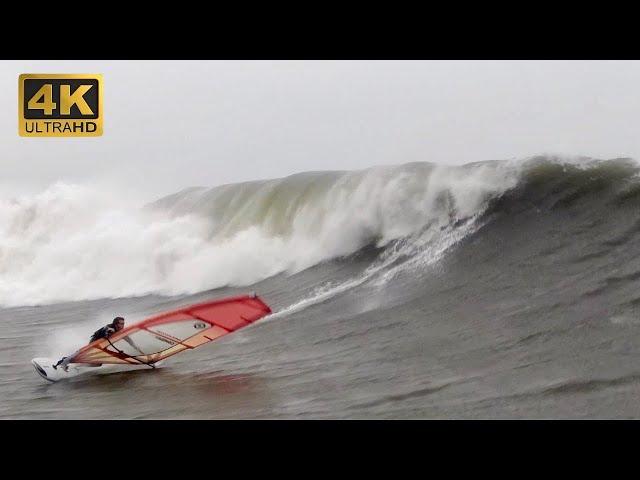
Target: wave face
<point x="72" y="242"/>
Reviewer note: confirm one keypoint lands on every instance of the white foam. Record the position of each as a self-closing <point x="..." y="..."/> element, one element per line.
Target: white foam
<point x="73" y="242"/>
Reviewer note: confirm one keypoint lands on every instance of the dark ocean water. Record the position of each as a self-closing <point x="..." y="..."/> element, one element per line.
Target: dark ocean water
<point x="522" y="304"/>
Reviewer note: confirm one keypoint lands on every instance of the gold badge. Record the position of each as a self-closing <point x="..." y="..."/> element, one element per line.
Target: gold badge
<point x="60" y="105"/>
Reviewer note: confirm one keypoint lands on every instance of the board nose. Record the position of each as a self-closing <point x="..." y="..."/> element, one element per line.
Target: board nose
<point x="39" y="369"/>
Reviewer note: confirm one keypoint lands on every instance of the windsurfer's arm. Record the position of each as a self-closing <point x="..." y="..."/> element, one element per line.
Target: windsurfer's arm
<point x="131" y="342"/>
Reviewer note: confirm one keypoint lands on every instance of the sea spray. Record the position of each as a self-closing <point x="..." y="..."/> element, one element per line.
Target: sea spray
<point x="72" y="242"/>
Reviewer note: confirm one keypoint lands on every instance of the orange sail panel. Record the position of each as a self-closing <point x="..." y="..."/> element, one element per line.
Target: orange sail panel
<point x="159" y="337"/>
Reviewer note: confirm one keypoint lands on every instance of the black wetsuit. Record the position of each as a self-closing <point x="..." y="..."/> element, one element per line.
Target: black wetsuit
<point x="104" y="332"/>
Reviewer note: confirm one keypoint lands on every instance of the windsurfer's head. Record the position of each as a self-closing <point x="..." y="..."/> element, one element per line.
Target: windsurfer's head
<point x="118" y="323"/>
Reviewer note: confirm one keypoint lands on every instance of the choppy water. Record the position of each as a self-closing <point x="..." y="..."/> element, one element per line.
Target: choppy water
<point x="492" y="290"/>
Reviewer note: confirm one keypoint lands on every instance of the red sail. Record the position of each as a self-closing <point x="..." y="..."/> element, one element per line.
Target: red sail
<point x="159" y="337"/>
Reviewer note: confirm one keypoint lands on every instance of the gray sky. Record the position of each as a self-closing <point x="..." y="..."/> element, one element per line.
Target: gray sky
<point x="173" y="124"/>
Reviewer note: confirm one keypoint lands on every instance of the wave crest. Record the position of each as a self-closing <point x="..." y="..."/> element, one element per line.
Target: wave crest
<point x="73" y="242"/>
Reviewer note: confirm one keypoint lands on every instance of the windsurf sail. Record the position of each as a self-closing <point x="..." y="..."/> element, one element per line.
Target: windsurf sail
<point x="164" y="335"/>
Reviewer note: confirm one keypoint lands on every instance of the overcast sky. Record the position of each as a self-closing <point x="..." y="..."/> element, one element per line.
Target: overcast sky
<point x="173" y="124"/>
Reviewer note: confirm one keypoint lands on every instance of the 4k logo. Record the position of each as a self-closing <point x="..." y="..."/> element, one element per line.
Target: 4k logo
<point x="60" y="105"/>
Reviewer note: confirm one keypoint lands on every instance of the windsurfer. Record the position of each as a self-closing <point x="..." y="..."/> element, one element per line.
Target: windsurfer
<point x="105" y="332"/>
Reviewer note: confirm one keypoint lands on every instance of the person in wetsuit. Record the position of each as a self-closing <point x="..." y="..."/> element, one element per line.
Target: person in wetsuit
<point x="108" y="330"/>
<point x="104" y="332"/>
